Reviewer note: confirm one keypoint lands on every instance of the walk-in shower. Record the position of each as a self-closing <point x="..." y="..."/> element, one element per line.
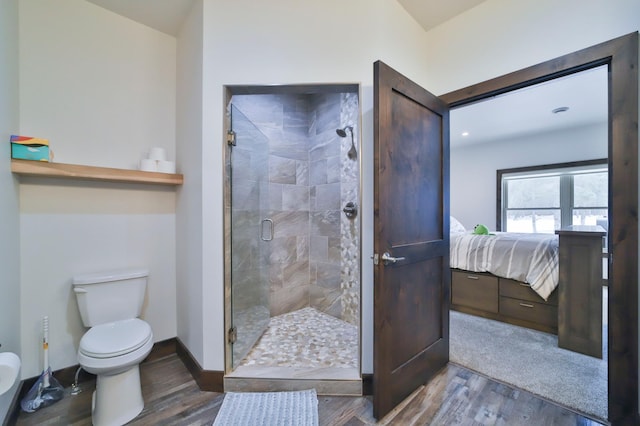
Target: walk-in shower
<point x="293" y="235"/>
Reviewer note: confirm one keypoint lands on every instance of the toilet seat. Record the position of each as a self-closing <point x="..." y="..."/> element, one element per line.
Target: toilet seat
<point x="115" y="338"/>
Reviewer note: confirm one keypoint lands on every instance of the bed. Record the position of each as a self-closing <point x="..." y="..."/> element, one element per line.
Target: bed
<point x="505" y="276"/>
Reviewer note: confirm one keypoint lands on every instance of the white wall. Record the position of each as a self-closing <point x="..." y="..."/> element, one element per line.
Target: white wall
<point x="283" y="42"/>
<point x="9" y="219"/>
<point x="473" y="168"/>
<point x="101" y="88"/>
<point x="190" y="302"/>
<point x="500" y="36"/>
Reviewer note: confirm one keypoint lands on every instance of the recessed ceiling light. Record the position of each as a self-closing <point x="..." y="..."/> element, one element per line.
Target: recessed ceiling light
<point x="560" y="109"/>
<point x="465" y="133"/>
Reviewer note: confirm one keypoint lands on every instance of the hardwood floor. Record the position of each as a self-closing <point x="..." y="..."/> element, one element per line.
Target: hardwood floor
<point x="455" y="397"/>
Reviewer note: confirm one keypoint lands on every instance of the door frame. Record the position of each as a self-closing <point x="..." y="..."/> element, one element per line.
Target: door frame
<point x="229" y="90"/>
<point x="621" y="56"/>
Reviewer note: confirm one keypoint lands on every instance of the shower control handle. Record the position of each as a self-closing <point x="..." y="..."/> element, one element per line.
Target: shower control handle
<point x="387" y="258"/>
<point x="350" y="210"/>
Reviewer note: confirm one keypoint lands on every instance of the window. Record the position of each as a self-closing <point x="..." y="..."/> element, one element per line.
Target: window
<point x="545" y="198"/>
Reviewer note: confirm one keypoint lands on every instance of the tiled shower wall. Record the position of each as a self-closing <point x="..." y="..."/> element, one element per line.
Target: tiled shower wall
<point x="350" y="228"/>
<point x="314" y="254"/>
<point x="324" y="182"/>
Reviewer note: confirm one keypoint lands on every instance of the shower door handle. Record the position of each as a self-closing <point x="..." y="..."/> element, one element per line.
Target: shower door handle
<point x="270" y="223"/>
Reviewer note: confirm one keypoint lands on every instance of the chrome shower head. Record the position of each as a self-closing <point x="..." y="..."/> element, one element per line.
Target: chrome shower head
<point x="352" y="154"/>
<point x="343" y="132"/>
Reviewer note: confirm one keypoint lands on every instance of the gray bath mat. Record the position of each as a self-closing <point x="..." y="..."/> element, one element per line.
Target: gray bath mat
<point x="269" y="409"/>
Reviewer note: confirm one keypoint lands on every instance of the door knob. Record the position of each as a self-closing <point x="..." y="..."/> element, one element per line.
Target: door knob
<point x="387" y="258"/>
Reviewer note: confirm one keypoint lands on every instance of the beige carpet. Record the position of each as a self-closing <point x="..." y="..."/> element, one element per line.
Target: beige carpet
<point x="531" y="360"/>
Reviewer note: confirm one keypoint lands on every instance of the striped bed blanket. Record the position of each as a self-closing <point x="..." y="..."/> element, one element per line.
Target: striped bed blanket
<point x="529" y="258"/>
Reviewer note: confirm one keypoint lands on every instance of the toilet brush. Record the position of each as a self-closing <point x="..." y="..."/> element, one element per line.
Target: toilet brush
<point x="46" y="390"/>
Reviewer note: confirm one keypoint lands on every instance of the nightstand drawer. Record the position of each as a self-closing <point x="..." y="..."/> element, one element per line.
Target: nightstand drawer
<point x="518" y="290"/>
<point x="473" y="290"/>
<point x="539" y="313"/>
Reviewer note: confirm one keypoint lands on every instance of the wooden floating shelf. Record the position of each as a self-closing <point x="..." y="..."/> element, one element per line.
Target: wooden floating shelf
<point x="79" y="172"/>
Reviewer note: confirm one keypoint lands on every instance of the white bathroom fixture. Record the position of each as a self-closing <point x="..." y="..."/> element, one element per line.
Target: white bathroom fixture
<point x="9" y="369"/>
<point x="117" y="342"/>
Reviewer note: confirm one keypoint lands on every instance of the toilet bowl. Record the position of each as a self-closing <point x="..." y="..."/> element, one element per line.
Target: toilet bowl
<point x="113" y="352"/>
<point x="114" y="347"/>
<point x="116" y="343"/>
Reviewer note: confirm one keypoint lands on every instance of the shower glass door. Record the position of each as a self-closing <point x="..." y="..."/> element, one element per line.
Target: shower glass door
<point x="251" y="232"/>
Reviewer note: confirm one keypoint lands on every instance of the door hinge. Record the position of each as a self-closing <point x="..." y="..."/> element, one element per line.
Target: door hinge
<point x="232" y="335"/>
<point x="231" y="138"/>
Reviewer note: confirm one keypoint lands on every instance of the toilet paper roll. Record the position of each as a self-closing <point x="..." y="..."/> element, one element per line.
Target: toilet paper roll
<point x="9" y="369"/>
<point x="148" y="165"/>
<point x="166" y="166"/>
<point x="157" y="153"/>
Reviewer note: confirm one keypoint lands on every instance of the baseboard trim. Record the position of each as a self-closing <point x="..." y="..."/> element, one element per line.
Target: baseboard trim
<point x="367" y="384"/>
<point x="207" y="380"/>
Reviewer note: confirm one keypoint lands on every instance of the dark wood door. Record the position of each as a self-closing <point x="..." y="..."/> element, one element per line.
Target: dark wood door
<point x="411" y="223"/>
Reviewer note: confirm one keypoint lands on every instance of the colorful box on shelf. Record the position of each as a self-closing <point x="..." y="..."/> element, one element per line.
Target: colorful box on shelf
<point x="28" y="148"/>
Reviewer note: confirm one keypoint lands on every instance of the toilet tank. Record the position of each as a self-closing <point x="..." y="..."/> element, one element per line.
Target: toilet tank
<point x="110" y="296"/>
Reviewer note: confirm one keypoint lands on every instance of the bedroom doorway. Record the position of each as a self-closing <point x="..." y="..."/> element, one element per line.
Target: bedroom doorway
<point x="620" y="57"/>
<point x="538" y="158"/>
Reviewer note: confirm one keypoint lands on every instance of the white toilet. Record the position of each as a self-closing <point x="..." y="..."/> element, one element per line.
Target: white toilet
<point x="117" y="342"/>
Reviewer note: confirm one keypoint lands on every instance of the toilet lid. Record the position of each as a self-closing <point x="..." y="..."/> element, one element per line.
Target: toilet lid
<point x="115" y="338"/>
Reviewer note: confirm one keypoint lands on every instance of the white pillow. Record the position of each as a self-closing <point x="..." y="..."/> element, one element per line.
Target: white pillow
<point x="455" y="227"/>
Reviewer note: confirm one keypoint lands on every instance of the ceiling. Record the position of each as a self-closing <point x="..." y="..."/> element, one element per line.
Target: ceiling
<point x="165" y="16"/>
<point x="529" y="110"/>
<point x="525" y="111"/>
<point x="431" y="13"/>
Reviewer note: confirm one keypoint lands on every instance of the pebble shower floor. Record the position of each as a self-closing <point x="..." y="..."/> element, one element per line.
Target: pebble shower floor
<point x="306" y="338"/>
